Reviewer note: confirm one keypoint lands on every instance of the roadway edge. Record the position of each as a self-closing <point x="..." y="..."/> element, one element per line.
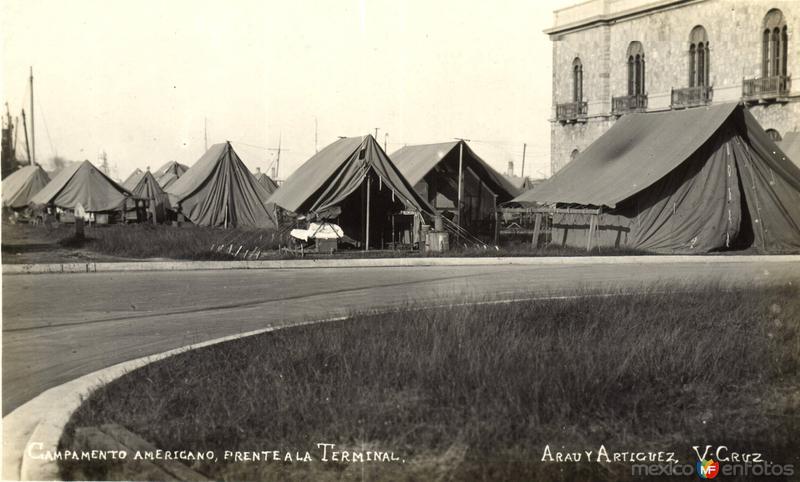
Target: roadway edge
<point x="74" y="268"/>
<point x="35" y="427"/>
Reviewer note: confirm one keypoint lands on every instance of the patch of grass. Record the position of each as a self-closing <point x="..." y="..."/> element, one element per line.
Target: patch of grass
<point x="147" y="241"/>
<point x="477" y="392"/>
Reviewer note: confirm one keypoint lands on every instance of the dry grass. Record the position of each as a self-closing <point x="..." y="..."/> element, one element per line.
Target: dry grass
<point x="57" y="243"/>
<point x="475" y="393"/>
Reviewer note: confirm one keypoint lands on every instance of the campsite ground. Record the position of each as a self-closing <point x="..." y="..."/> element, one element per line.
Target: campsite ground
<point x="29" y="244"/>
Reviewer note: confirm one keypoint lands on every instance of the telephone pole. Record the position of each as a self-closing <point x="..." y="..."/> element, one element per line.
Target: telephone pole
<point x="33" y="131"/>
<point x="524" y="148"/>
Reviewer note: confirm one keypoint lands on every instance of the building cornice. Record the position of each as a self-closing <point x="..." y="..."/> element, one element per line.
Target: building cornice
<point x="608" y="18"/>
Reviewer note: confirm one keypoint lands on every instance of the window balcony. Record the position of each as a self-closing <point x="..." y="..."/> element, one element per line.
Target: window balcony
<point x="766" y="88"/>
<point x="572" y="112"/>
<point x="628" y="103"/>
<point x="691" y="96"/>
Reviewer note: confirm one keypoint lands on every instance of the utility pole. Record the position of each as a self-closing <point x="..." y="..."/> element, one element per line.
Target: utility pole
<point x="33" y="131"/>
<point x="385" y="141"/>
<point x="278" y="159"/>
<point x="524" y="148"/>
<point x="104" y="164"/>
<point x="460" y="177"/>
<point x="376" y="133"/>
<point x="27" y="146"/>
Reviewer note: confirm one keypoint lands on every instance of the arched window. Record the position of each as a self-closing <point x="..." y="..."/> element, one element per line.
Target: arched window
<point x="635" y="69"/>
<point x="698" y="57"/>
<point x="577" y="80"/>
<point x="774" y="135"/>
<point x="774" y="45"/>
<point x="573" y="155"/>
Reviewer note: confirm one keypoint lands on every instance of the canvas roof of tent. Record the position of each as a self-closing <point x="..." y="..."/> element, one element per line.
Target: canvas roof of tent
<point x="148" y="188"/>
<point x="642" y="149"/>
<point x="85" y="184"/>
<point x="790" y="145"/>
<point x="167" y="179"/>
<point x="333" y="173"/>
<point x="638" y="150"/>
<point x="133" y="179"/>
<point x="266" y="181"/>
<point x="21" y="185"/>
<point x="219" y="190"/>
<point x="415" y="162"/>
<point x="171" y="167"/>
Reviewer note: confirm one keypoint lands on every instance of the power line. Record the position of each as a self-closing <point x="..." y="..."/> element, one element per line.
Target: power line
<point x="47" y="130"/>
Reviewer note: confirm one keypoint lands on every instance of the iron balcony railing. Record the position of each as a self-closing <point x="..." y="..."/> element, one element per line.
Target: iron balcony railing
<point x="571" y="111"/>
<point x="766" y="87"/>
<point x="629" y="103"/>
<point x="692" y="96"/>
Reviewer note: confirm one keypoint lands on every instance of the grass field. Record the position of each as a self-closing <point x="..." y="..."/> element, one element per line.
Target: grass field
<point x="477" y="392"/>
<point x="57" y="244"/>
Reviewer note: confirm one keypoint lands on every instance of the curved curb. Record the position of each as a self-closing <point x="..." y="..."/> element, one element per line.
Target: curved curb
<point x="42" y="419"/>
<point x="72" y="268"/>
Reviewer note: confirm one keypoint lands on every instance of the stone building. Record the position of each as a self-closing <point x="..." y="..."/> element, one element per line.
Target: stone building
<point x="611" y="57"/>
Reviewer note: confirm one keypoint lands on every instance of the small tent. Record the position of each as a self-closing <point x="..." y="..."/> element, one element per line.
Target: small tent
<point x="82" y="184"/>
<point x="169" y="173"/>
<point x="133" y="179"/>
<point x="353" y="182"/>
<point x="433" y="170"/>
<point x="790" y="145"/>
<point x="266" y="181"/>
<point x="22" y="185"/>
<point x="148" y="188"/>
<point x="695" y="180"/>
<point x="219" y="190"/>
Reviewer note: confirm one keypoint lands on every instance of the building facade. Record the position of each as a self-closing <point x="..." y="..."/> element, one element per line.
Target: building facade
<point x="611" y="57"/>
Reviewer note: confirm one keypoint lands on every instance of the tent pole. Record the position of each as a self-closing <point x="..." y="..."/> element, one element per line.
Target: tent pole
<point x="460" y="180"/>
<point x="366" y="244"/>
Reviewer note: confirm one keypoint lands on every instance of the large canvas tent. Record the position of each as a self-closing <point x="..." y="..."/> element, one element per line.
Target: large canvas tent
<point x="355" y="183"/>
<point x="169" y="173"/>
<point x="82" y="184"/>
<point x="148" y="188"/>
<point x="22" y="185"/>
<point x="433" y="170"/>
<point x="790" y="145"/>
<point x="697" y="180"/>
<point x="219" y="190"/>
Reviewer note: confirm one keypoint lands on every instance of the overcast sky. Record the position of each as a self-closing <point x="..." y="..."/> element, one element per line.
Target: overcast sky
<point x="138" y="78"/>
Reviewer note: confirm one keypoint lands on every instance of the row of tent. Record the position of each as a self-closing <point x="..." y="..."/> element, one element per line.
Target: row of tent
<point x="218" y="190"/>
<point x="698" y="180"/>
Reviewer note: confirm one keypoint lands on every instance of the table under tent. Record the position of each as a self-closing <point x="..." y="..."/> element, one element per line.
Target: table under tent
<point x="699" y="180"/>
<point x="353" y="184"/>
